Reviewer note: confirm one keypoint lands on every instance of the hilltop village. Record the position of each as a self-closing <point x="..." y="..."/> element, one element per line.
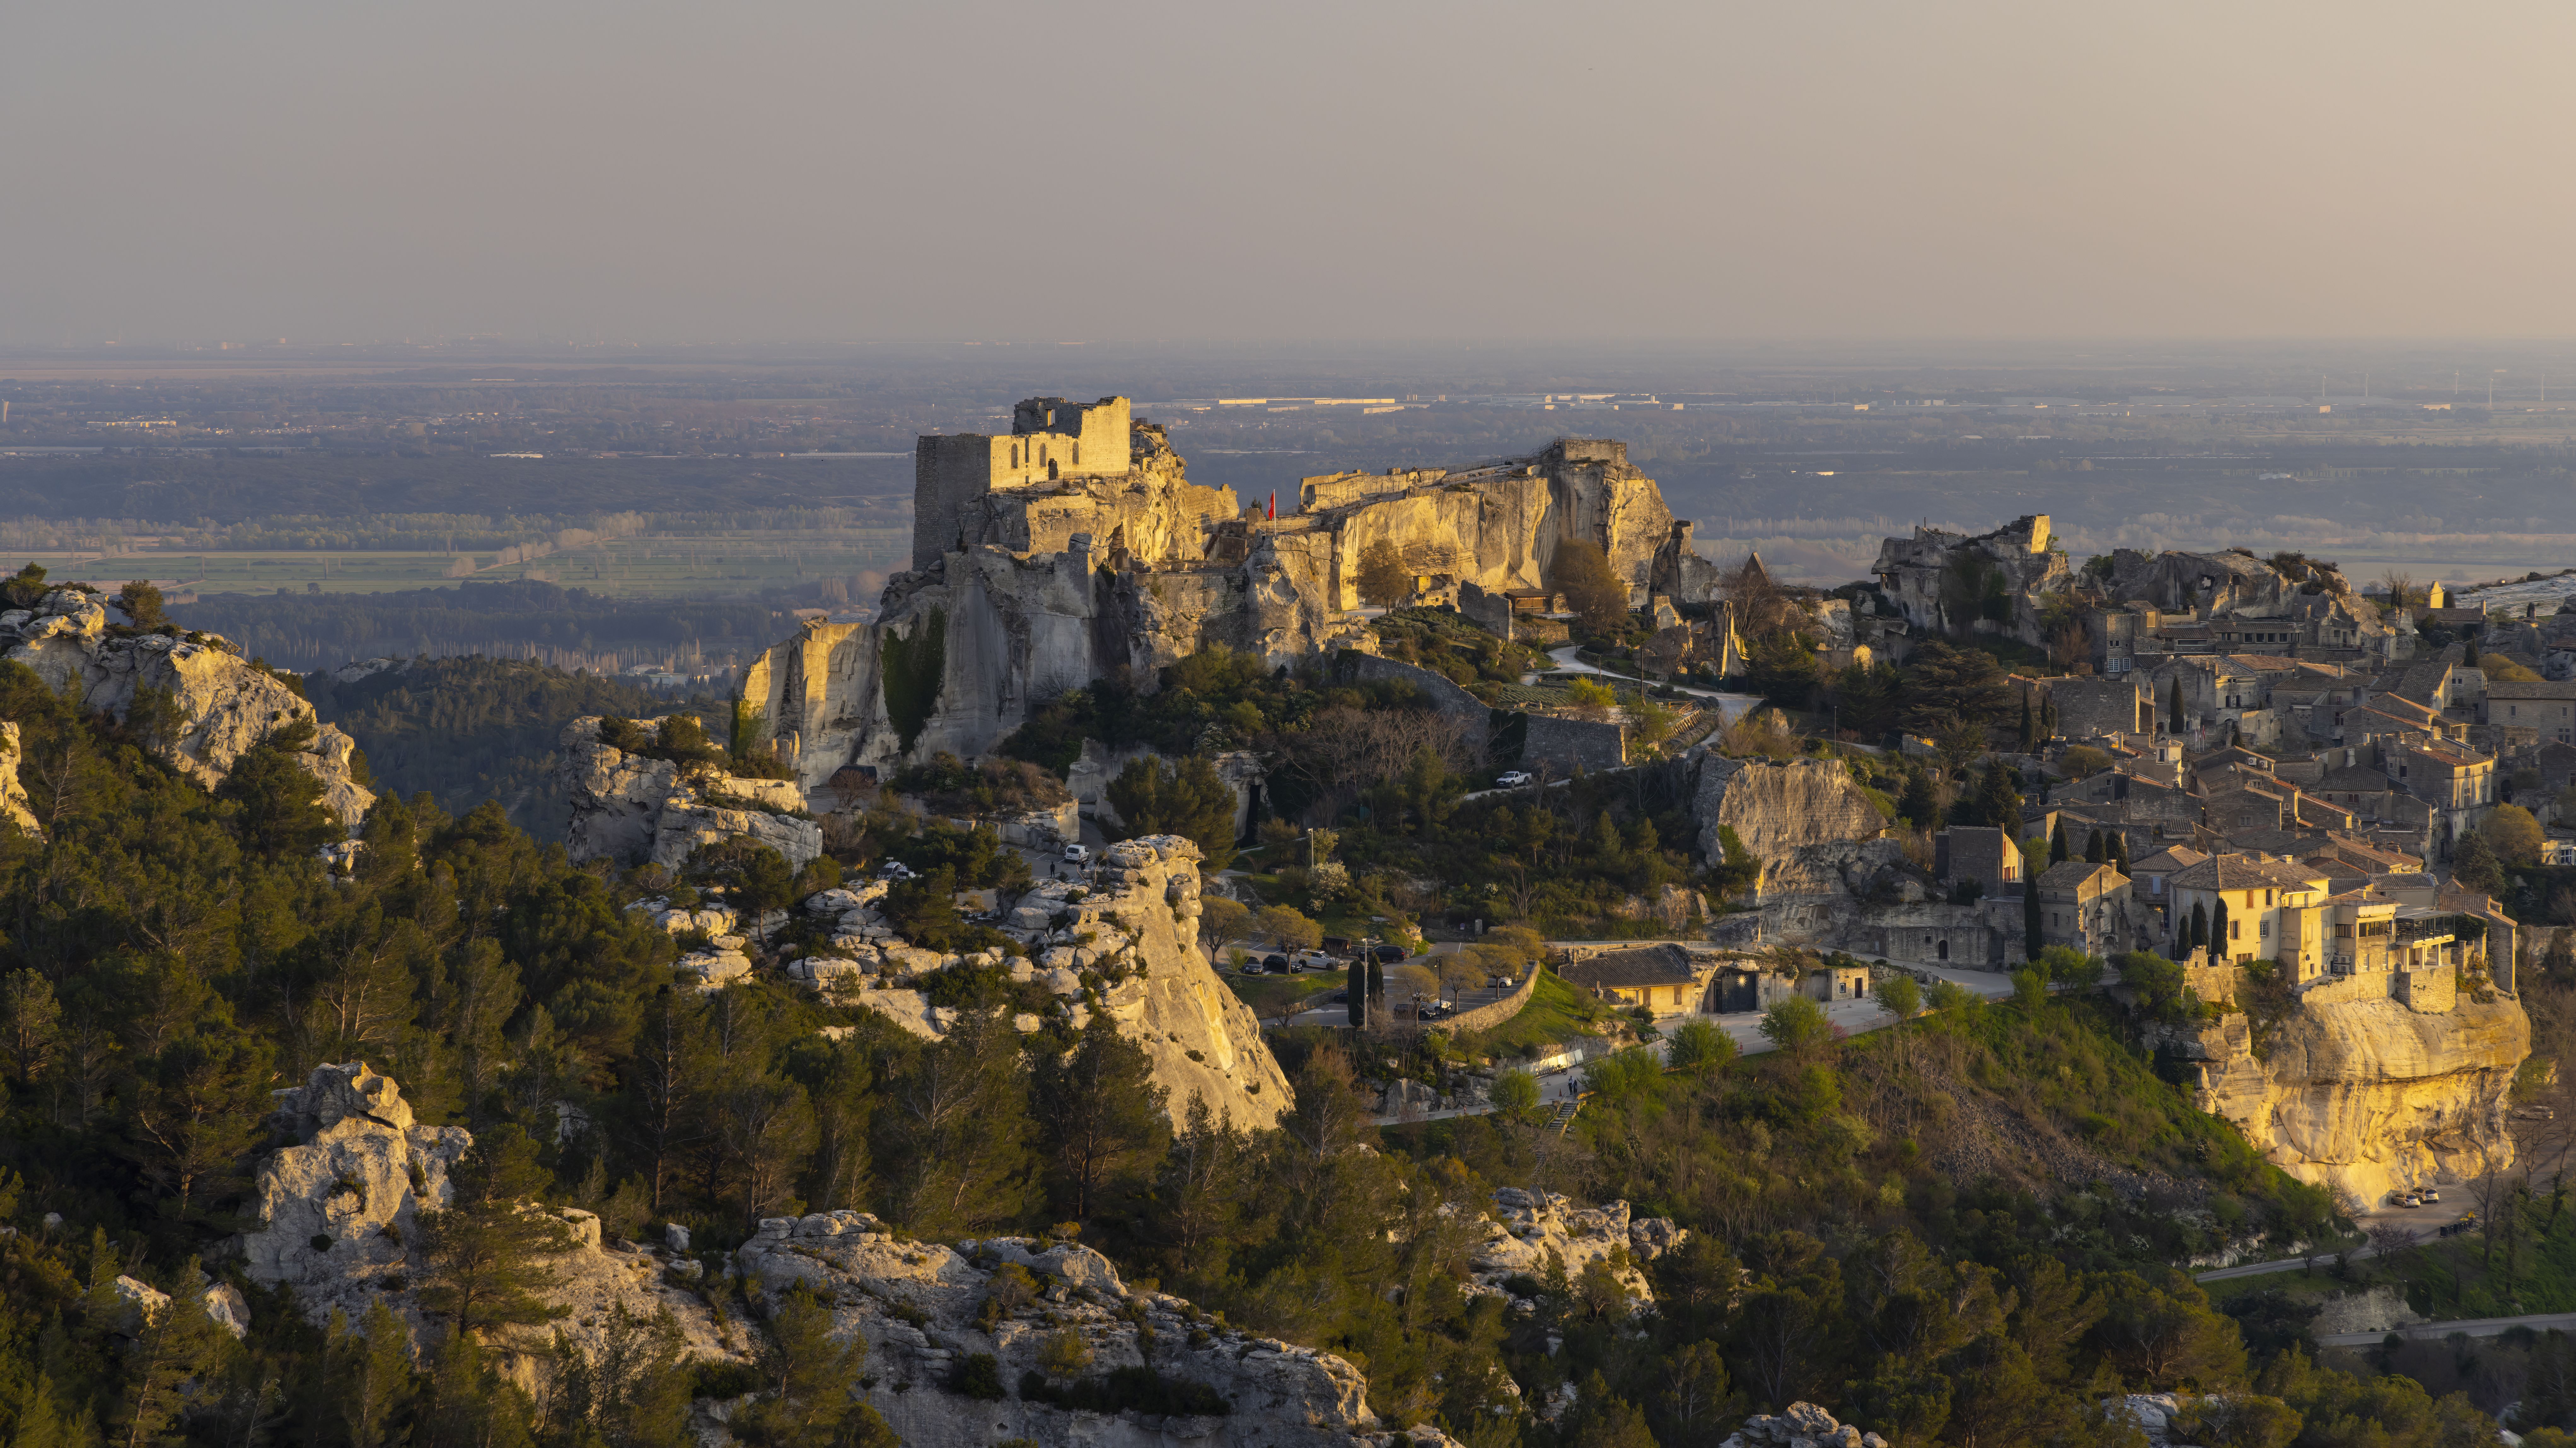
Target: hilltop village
<point x="1441" y="962"/>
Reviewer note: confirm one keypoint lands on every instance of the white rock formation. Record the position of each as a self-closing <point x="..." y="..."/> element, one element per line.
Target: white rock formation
<point x="1526" y="1236"/>
<point x="635" y="810"/>
<point x="225" y="706"/>
<point x="2366" y="1096"/>
<point x="339" y="1216"/>
<point x="13" y="792"/>
<point x="1136" y="935"/>
<point x="1804" y="1425"/>
<point x="917" y="1303"/>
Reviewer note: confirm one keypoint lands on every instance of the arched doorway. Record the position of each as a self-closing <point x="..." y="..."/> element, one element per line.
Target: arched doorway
<point x="1944" y="950"/>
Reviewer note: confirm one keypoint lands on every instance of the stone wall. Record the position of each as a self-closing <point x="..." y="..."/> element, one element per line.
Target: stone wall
<point x="1494" y="1013"/>
<point x="1352" y="665"/>
<point x="1564" y="744"/>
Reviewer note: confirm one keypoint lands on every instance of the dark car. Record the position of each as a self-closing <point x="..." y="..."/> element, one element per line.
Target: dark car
<point x="1338" y="998"/>
<point x="1276" y="964"/>
<point x="1433" y="1011"/>
<point x="1389" y="954"/>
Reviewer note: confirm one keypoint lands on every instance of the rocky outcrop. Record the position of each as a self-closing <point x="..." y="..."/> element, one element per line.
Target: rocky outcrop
<point x="634" y="809"/>
<point x="1804" y="1425"/>
<point x="13" y="791"/>
<point x="339" y="1213"/>
<point x="223" y="706"/>
<point x="1805" y="820"/>
<point x="1126" y="948"/>
<point x="2366" y="1096"/>
<point x="1528" y="1236"/>
<point x="1027" y="584"/>
<point x="1988" y="583"/>
<point x="922" y="1309"/>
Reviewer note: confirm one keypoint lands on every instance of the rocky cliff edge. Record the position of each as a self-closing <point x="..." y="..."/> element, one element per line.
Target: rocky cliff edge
<point x="2367" y="1096"/>
<point x="1126" y="948"/>
<point x="635" y="809"/>
<point x="225" y="706"/>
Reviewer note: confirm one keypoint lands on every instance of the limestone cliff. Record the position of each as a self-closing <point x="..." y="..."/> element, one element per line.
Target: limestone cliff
<point x="920" y="1307"/>
<point x="1805" y="820"/>
<point x="1026" y="584"/>
<point x="635" y="809"/>
<point x="13" y="791"/>
<point x="339" y="1224"/>
<point x="1127" y="949"/>
<point x="224" y="706"/>
<point x="2367" y="1094"/>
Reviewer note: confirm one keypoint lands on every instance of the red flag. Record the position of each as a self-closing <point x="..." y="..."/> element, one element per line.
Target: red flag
<point x="1274" y="503"/>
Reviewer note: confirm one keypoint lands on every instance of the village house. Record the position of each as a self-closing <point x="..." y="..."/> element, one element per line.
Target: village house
<point x="2274" y="908"/>
<point x="2548" y="705"/>
<point x="2086" y="907"/>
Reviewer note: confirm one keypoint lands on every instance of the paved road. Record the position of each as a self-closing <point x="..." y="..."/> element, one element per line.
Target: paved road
<point x="2473" y="1326"/>
<point x="1730" y="707"/>
<point x="2424" y="1222"/>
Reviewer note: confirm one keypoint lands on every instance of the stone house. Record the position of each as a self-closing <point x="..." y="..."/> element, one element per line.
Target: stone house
<point x="2275" y="910"/>
<point x="2105" y="707"/>
<point x="1836" y="983"/>
<point x="2149" y="879"/>
<point x="1981" y="853"/>
<point x="2548" y="705"/>
<point x="2457" y="782"/>
<point x="1665" y="979"/>
<point x="2086" y="907"/>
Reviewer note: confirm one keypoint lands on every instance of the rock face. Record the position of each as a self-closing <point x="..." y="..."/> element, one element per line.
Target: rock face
<point x="1806" y="820"/>
<point x="1127" y="949"/>
<point x="2366" y="1096"/>
<point x="1942" y="582"/>
<point x="1804" y="1425"/>
<point x="225" y="707"/>
<point x="1032" y="575"/>
<point x="13" y="791"/>
<point x="917" y="1304"/>
<point x="634" y="809"/>
<point x="1527" y="1236"/>
<point x="339" y="1217"/>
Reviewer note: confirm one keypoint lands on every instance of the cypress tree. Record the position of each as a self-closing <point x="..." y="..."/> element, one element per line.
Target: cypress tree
<point x="2058" y="854"/>
<point x="2095" y="851"/>
<point x="2028" y="724"/>
<point x="2220" y="947"/>
<point x="1358" y="991"/>
<point x="2173" y="707"/>
<point x="2198" y="936"/>
<point x="2047" y="719"/>
<point x="2033" y="940"/>
<point x="2118" y="855"/>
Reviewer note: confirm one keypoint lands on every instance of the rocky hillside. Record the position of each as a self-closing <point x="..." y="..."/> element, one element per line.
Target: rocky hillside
<point x="223" y="704"/>
<point x="633" y="808"/>
<point x="1127" y="950"/>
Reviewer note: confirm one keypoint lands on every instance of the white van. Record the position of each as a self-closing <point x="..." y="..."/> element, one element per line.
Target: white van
<point x="1078" y="854"/>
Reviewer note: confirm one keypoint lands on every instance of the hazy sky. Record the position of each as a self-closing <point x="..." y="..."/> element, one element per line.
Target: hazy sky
<point x="1232" y="172"/>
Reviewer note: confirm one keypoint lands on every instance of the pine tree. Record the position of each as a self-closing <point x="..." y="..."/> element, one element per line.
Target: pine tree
<point x="370" y="1373"/>
<point x="1921" y="806"/>
<point x="1100" y="1116"/>
<point x="486" y="1252"/>
<point x="173" y="1343"/>
<point x="805" y="1377"/>
<point x="953" y="1131"/>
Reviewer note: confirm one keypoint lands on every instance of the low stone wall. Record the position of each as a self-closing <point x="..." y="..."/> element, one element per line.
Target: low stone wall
<point x="1486" y="1017"/>
<point x="1561" y="744"/>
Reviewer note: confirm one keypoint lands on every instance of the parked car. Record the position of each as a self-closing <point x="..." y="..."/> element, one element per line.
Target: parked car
<point x="1276" y="964"/>
<point x="1078" y="854"/>
<point x="896" y="870"/>
<point x="2405" y="1199"/>
<point x="1433" y="1011"/>
<point x="1338" y="998"/>
<point x="1311" y="960"/>
<point x="1512" y="779"/>
<point x="1390" y="954"/>
<point x="2432" y="1195"/>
